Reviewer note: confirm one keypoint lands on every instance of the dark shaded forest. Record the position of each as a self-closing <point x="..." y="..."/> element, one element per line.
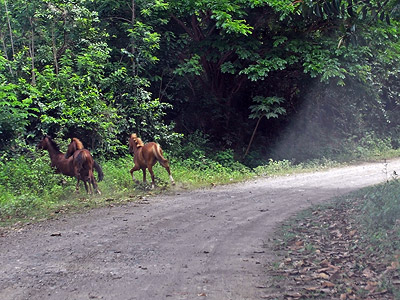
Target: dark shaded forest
<point x="282" y="79"/>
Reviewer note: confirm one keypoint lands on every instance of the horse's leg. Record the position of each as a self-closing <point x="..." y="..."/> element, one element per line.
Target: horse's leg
<point x="153" y="184"/>
<point x="86" y="186"/>
<point x="144" y="174"/>
<point x="90" y="180"/>
<point x="166" y="166"/>
<point x="77" y="185"/>
<point x="135" y="168"/>
<point x="94" y="184"/>
<point x="91" y="187"/>
<point x="96" y="188"/>
<point x="170" y="176"/>
<point x="78" y="178"/>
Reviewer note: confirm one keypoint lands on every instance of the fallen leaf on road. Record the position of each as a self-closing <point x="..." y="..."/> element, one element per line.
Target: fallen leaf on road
<point x="293" y="295"/>
<point x="323" y="276"/>
<point x="328" y="284"/>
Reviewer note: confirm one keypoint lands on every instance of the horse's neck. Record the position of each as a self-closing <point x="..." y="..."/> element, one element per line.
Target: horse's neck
<point x="71" y="150"/>
<point x="137" y="150"/>
<point x="54" y="154"/>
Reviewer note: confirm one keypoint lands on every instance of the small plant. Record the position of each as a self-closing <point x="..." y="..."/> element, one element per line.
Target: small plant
<point x="268" y="107"/>
<point x="275" y="167"/>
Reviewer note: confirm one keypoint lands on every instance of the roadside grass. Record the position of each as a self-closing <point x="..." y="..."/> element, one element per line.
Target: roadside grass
<point x="30" y="190"/>
<point x="347" y="249"/>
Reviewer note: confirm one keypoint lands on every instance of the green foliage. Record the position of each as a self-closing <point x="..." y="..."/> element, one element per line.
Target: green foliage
<point x="145" y="43"/>
<point x="117" y="177"/>
<point x="269" y="107"/>
<point x="381" y="209"/>
<point x="27" y="184"/>
<point x="72" y="101"/>
<point x="15" y="107"/>
<point x="369" y="145"/>
<point x="190" y="66"/>
<point x="196" y="142"/>
<point x="274" y="167"/>
<point x="263" y="67"/>
<point x="101" y="70"/>
<point x="56" y="71"/>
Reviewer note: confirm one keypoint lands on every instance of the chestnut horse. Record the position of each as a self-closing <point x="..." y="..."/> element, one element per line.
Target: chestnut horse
<point x="145" y="156"/>
<point x="84" y="164"/>
<point x="61" y="164"/>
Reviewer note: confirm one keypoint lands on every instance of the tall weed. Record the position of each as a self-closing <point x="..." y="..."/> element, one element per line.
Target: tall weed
<point x="382" y="206"/>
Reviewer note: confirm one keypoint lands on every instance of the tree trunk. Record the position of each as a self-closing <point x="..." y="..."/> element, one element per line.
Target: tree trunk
<point x="133" y="50"/>
<point x="5" y="51"/>
<point x="53" y="39"/>
<point x="9" y="28"/>
<point x="32" y="52"/>
<point x="252" y="137"/>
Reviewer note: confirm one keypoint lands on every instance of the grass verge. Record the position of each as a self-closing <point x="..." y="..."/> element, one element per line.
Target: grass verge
<point x="30" y="190"/>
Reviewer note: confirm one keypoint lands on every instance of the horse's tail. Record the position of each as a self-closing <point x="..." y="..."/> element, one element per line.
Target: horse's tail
<point x="84" y="160"/>
<point x="158" y="153"/>
<point x="99" y="171"/>
<point x="79" y="160"/>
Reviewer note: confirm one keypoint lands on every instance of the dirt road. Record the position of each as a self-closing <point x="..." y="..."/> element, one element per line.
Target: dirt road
<point x="206" y="244"/>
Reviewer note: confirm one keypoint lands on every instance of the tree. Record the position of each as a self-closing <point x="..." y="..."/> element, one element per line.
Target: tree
<point x="107" y="68"/>
<point x="269" y="107"/>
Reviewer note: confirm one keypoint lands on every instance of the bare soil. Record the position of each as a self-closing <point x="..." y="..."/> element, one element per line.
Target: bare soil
<point x="203" y="244"/>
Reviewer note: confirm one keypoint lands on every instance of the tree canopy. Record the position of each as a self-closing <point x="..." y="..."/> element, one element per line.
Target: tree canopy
<point x="100" y="70"/>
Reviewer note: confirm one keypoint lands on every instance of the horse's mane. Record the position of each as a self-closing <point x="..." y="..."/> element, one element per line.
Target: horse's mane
<point x="137" y="140"/>
<point x="53" y="143"/>
<point x="78" y="143"/>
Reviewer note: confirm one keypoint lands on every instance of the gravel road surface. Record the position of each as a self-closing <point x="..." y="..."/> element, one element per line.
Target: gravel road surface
<point x="203" y="244"/>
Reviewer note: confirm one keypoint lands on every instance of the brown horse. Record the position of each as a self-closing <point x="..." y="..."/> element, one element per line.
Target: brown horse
<point x="58" y="161"/>
<point x="75" y="145"/>
<point x="84" y="164"/>
<point x="145" y="156"/>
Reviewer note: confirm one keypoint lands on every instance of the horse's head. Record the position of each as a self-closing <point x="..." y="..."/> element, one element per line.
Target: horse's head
<point x="75" y="144"/>
<point x="48" y="144"/>
<point x="44" y="143"/>
<point x="134" y="143"/>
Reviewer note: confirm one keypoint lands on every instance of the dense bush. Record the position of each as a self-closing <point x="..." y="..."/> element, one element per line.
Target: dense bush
<point x="28" y="183"/>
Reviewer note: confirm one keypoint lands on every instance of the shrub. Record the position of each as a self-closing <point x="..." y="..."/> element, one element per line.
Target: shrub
<point x="382" y="206"/>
